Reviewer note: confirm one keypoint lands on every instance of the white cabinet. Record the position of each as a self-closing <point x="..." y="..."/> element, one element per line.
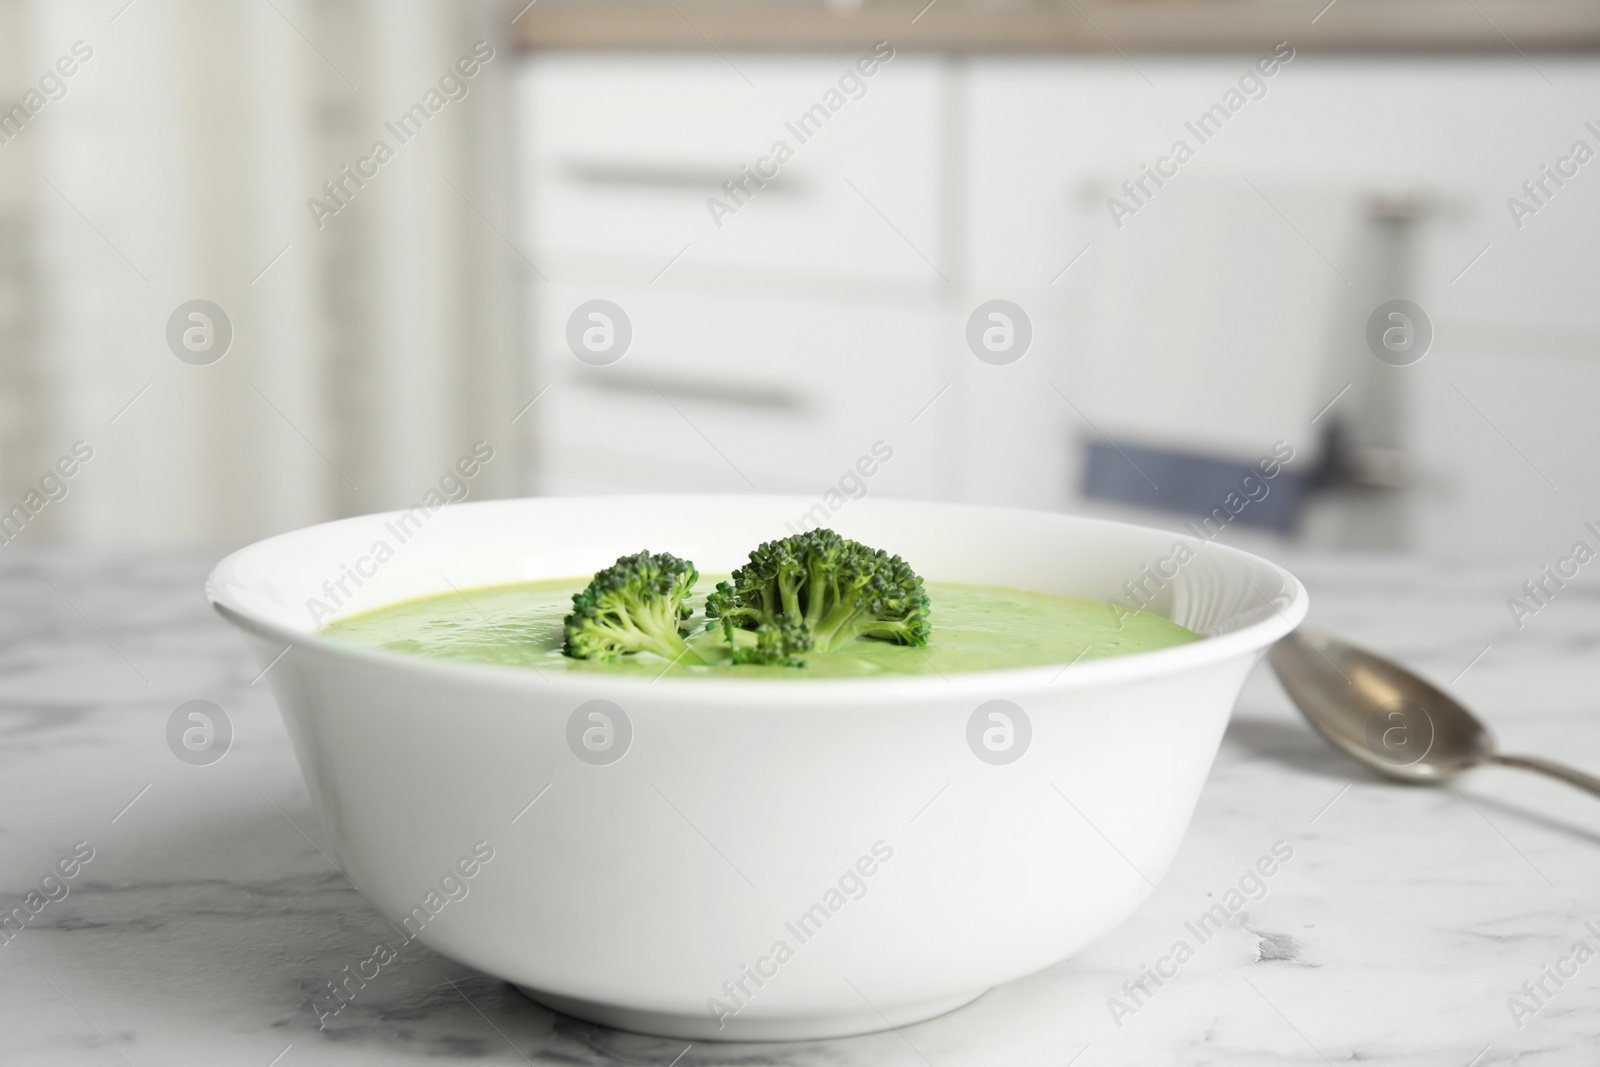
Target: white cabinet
<point x="776" y="232"/>
<point x="831" y="306"/>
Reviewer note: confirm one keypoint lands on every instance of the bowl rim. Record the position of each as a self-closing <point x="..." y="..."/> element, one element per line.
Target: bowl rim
<point x="1254" y="637"/>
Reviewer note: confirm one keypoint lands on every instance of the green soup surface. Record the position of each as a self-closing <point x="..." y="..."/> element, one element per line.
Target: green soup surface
<point x="975" y="628"/>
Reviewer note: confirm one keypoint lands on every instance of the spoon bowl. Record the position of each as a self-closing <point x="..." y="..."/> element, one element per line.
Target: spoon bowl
<point x="1389" y="718"/>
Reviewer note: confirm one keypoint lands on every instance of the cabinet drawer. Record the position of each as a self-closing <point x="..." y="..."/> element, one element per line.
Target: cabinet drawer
<point x="724" y="393"/>
<point x="623" y="157"/>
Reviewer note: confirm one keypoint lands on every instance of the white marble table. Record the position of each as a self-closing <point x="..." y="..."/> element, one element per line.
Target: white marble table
<point x="207" y="919"/>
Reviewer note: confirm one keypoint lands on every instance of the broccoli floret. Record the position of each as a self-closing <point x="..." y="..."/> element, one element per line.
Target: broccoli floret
<point x="837" y="589"/>
<point x="634" y="605"/>
<point x="775" y="642"/>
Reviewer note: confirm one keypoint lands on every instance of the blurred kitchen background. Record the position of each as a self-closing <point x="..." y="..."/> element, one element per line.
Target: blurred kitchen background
<point x="770" y="318"/>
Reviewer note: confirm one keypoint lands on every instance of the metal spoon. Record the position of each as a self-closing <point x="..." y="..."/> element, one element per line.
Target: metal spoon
<point x="1389" y="718"/>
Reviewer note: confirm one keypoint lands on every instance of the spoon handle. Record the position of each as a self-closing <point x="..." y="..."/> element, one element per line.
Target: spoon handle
<point x="1554" y="770"/>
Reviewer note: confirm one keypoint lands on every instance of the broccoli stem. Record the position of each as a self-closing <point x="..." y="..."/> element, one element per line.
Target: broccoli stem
<point x="657" y="632"/>
<point x="790" y="593"/>
<point x="674" y="648"/>
<point x="833" y="629"/>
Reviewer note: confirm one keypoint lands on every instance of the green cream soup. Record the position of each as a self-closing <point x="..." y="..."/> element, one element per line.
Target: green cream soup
<point x="975" y="628"/>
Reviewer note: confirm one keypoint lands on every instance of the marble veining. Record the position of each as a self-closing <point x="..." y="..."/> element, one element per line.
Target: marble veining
<point x="1398" y="931"/>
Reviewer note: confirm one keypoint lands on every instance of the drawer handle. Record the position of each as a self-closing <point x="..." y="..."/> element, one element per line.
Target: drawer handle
<point x="729" y="394"/>
<point x="666" y="176"/>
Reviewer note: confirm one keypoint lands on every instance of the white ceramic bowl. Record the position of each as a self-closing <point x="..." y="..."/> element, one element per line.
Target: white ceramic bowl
<point x="767" y="860"/>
